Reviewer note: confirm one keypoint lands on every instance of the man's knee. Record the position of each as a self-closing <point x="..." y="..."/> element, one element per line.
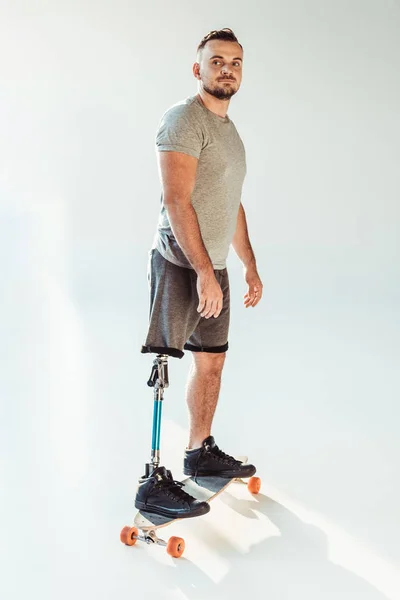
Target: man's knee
<point x="210" y="363"/>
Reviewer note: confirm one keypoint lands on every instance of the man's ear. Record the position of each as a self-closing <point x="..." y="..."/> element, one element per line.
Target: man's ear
<point x="196" y="70"/>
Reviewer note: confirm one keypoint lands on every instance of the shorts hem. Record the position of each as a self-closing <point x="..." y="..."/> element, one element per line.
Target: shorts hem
<point x="216" y="349"/>
<point x="163" y="350"/>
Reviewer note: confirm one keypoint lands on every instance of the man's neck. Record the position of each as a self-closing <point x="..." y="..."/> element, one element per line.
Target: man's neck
<point x="218" y="107"/>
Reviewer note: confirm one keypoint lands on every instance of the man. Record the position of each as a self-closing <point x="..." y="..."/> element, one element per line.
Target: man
<point x="202" y="166"/>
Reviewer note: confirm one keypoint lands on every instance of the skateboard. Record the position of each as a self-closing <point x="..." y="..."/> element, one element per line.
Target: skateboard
<point x="203" y="488"/>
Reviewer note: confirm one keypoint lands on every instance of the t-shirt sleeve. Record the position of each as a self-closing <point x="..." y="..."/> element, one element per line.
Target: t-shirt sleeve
<point x="177" y="132"/>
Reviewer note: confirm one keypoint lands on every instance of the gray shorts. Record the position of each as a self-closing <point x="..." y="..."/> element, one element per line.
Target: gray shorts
<point x="174" y="323"/>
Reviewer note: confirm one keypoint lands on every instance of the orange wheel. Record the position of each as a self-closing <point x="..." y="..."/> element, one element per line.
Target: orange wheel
<point x="175" y="546"/>
<point x="254" y="485"/>
<point x="127" y="535"/>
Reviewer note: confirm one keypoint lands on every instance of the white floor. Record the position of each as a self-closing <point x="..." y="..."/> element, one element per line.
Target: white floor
<point x="315" y="408"/>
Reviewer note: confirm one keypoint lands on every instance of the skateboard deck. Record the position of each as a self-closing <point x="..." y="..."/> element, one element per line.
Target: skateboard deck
<point x="202" y="488"/>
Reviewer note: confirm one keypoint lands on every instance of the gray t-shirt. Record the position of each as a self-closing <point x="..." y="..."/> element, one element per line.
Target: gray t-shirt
<point x="191" y="128"/>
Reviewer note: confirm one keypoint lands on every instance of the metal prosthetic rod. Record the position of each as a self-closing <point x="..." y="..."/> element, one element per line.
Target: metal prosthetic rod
<point x="158" y="380"/>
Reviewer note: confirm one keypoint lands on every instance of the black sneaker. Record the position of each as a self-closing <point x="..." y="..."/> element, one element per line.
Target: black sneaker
<point x="209" y="460"/>
<point x="160" y="494"/>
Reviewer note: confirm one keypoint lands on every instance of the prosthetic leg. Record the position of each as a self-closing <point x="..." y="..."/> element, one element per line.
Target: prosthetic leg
<point x="159" y="381"/>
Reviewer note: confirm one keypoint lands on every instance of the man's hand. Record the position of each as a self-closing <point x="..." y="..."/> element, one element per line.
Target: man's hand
<point x="210" y="295"/>
<point x="254" y="293"/>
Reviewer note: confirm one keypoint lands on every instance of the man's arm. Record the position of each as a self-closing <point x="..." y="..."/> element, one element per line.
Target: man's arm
<point x="241" y="243"/>
<point x="178" y="177"/>
<point x="243" y="249"/>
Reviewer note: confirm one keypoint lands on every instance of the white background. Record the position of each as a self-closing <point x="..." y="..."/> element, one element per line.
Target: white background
<point x="311" y="384"/>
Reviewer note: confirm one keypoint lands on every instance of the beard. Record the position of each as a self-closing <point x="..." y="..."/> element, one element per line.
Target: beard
<point x="222" y="92"/>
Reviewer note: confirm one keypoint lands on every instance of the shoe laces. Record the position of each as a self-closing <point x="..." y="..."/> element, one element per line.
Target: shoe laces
<point x="221" y="456"/>
<point x="173" y="489"/>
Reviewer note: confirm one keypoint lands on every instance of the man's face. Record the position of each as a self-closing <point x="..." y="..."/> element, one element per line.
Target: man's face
<point x="220" y="68"/>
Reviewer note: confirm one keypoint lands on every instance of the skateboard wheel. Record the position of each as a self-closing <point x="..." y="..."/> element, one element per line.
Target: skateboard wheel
<point x="254" y="485"/>
<point x="175" y="546"/>
<point x="127" y="535"/>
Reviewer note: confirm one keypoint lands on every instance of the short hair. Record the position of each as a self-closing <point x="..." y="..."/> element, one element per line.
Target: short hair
<point x="225" y="34"/>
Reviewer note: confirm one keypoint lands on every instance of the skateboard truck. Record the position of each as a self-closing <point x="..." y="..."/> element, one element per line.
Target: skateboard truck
<point x="130" y="535"/>
<point x="159" y="381"/>
<point x="150" y="537"/>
